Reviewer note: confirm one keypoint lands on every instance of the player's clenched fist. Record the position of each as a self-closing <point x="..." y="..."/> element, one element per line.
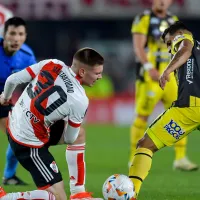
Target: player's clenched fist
<point x="3" y="101"/>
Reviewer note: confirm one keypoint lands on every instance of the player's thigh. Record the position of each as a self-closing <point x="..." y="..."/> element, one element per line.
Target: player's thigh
<point x="170" y="93"/>
<point x="39" y="162"/>
<point x="174" y="124"/>
<point x="149" y="94"/>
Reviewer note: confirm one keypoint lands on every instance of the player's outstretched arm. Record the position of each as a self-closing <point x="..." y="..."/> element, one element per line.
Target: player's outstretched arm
<point x="180" y="58"/>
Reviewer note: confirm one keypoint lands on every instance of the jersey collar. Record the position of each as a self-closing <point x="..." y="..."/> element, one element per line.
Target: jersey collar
<point x="76" y="76"/>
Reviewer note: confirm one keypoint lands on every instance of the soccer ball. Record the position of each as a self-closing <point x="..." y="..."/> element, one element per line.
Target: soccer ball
<point x="118" y="187"/>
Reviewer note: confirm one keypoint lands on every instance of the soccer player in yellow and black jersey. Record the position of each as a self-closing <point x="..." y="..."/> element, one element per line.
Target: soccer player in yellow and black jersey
<point x="153" y="57"/>
<point x="184" y="115"/>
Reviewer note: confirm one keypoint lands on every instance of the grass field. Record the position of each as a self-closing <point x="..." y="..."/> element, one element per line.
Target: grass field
<point x="107" y="153"/>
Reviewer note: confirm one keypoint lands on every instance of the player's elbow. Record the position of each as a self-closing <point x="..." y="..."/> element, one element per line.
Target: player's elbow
<point x="11" y="80"/>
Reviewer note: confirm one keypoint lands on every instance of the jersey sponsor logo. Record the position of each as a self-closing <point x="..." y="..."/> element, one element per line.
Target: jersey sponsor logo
<point x="190" y="71"/>
<point x="54" y="167"/>
<point x="174" y="129"/>
<point x="28" y="113"/>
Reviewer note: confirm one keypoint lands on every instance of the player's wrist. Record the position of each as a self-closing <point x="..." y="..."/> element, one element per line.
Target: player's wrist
<point x="147" y="66"/>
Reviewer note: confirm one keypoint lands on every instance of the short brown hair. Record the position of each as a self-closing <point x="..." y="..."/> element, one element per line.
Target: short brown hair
<point x="14" y="21"/>
<point x="89" y="56"/>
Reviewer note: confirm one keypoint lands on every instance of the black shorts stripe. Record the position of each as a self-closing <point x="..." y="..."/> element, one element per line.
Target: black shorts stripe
<point x="136" y="177"/>
<point x="143" y="154"/>
<point x="158" y="118"/>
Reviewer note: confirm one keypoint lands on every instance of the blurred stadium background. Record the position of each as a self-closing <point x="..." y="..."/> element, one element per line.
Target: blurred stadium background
<point x="56" y="29"/>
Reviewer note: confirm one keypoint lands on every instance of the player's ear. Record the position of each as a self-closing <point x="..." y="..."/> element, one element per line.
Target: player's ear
<point x="81" y="72"/>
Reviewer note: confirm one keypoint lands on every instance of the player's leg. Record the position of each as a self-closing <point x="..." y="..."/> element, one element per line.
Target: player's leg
<point x="168" y="128"/>
<point x="141" y="163"/>
<point x="181" y="161"/>
<point x="35" y="194"/>
<point x="10" y="177"/>
<point x="42" y="167"/>
<point x="75" y="157"/>
<point x="147" y="96"/>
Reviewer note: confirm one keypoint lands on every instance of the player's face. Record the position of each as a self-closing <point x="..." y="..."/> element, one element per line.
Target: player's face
<point x="14" y="37"/>
<point x="161" y="5"/>
<point x="168" y="41"/>
<point x="92" y="74"/>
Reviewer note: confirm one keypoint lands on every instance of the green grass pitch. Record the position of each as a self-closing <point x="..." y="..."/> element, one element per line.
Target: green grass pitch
<point x="107" y="152"/>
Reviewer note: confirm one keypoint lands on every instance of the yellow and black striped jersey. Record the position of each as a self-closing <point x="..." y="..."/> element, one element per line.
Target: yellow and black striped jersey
<point x="152" y="26"/>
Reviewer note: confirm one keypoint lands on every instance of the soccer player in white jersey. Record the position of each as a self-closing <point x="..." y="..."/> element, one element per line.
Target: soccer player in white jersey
<point x="54" y="93"/>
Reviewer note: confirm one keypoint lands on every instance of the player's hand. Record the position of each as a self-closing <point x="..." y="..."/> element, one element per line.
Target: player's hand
<point x="3" y="101"/>
<point x="154" y="74"/>
<point x="164" y="79"/>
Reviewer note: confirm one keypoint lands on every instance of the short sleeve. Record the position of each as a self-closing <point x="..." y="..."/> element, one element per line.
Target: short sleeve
<point x="77" y="113"/>
<point x="140" y="24"/>
<point x="178" y="39"/>
<point x="34" y="69"/>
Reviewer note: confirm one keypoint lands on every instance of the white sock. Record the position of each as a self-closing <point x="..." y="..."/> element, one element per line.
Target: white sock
<point x="75" y="156"/>
<point x="31" y="195"/>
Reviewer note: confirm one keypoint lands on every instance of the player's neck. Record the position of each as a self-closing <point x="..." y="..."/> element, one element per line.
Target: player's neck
<point x="74" y="69"/>
<point x="159" y="13"/>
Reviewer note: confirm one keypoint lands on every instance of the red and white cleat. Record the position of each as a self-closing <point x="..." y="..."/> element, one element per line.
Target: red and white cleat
<point x="2" y="192"/>
<point x="83" y="195"/>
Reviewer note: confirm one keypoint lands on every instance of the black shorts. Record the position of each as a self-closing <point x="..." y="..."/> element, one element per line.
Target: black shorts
<point x="39" y="162"/>
<point x="56" y="131"/>
<point x="4" y="110"/>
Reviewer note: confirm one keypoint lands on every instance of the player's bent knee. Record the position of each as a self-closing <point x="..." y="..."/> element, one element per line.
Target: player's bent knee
<point x="58" y="191"/>
<point x="70" y="140"/>
<point x="81" y="137"/>
<point x="147" y="143"/>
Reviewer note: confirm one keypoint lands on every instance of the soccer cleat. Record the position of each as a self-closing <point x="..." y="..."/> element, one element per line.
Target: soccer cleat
<point x="2" y="192"/>
<point x="13" y="181"/>
<point x="185" y="164"/>
<point x="83" y="195"/>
